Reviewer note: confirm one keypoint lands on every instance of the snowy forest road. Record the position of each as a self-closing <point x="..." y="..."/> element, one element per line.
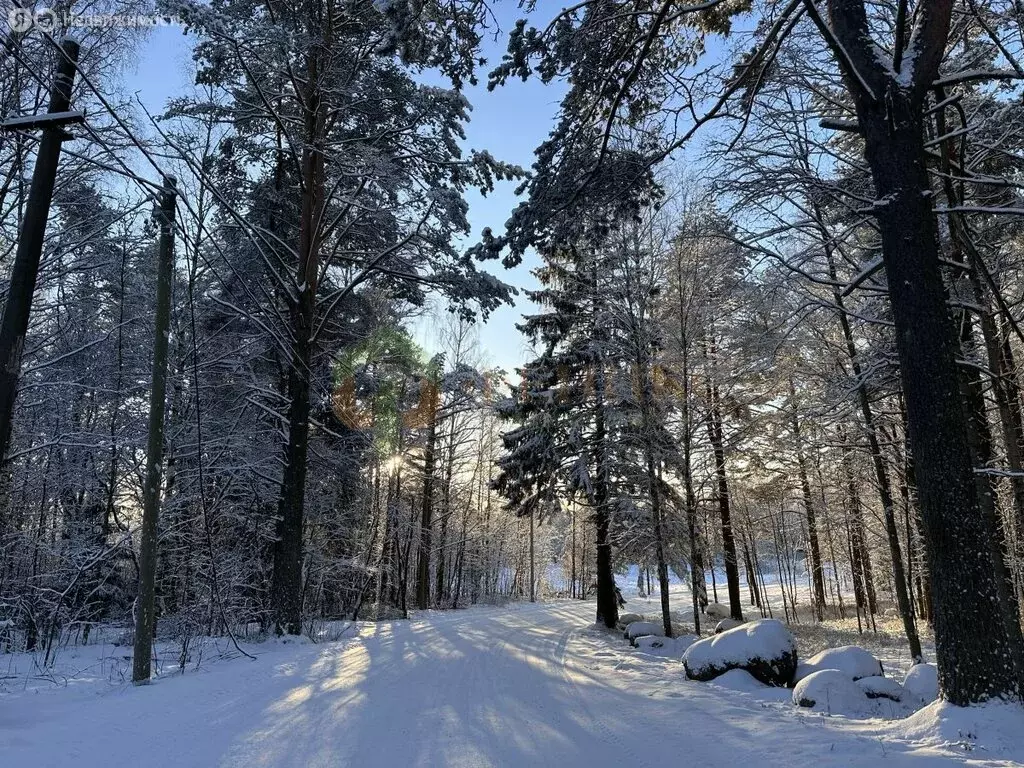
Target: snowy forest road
<point x="530" y="685"/>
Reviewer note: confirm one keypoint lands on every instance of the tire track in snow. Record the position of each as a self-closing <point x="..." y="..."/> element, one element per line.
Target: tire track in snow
<point x="608" y="734"/>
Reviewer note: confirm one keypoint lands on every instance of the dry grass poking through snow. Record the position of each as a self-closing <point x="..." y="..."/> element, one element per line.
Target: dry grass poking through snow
<point x="888" y="644"/>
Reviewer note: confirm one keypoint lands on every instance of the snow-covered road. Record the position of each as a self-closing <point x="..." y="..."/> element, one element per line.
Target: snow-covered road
<point x="529" y="685"/>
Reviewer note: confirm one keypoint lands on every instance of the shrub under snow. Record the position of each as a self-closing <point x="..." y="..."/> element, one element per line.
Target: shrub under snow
<point x="922" y="683"/>
<point x="854" y="661"/>
<point x="832" y="691"/>
<point x="764" y="648"/>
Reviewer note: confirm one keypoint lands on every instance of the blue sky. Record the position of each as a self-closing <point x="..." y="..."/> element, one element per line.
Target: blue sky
<point x="509" y="122"/>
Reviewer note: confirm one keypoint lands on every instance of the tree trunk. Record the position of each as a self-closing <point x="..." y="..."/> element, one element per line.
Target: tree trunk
<point x="881" y="477"/>
<point x="572" y="557"/>
<point x="423" y="557"/>
<point x="732" y="571"/>
<point x="607" y="604"/>
<point x="980" y="436"/>
<point x="981" y="440"/>
<point x="698" y="586"/>
<point x="287" y="576"/>
<point x="533" y="561"/>
<point x="818" y="581"/>
<point x="653" y="469"/>
<point x="145" y="618"/>
<point x="1014" y="433"/>
<point x="974" y="653"/>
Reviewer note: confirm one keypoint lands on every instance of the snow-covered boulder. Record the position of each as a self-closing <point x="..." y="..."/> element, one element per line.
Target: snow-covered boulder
<point x="628" y="618"/>
<point x="641" y="629"/>
<point x="922" y="683"/>
<point x="653" y="643"/>
<point x="665" y="647"/>
<point x="717" y="611"/>
<point x="764" y="648"/>
<point x="854" y="661"/>
<point x="726" y="624"/>
<point x="878" y="687"/>
<point x="685" y="641"/>
<point x="832" y="691"/>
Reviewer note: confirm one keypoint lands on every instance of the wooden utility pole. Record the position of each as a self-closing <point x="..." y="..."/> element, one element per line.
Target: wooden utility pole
<point x="14" y="325"/>
<point x="145" y="609"/>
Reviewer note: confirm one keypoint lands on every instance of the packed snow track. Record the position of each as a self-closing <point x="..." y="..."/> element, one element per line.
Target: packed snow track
<point x="531" y="685"/>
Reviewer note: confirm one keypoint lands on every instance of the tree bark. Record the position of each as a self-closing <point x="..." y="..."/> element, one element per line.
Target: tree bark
<point x="287" y="575"/>
<point x="732" y="571"/>
<point x="974" y="653"/>
<point x="145" y="610"/>
<point x="881" y="477"/>
<point x="426" y="518"/>
<point x="812" y="524"/>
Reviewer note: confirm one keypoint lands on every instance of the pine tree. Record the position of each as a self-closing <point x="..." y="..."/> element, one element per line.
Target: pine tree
<point x="563" y="444"/>
<point x="333" y="163"/>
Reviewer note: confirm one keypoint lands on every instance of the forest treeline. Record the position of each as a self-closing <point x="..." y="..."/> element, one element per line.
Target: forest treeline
<point x="777" y="326"/>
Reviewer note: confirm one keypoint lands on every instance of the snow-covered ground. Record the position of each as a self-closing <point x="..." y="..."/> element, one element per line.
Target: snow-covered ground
<point x="521" y="685"/>
<point x="886" y="641"/>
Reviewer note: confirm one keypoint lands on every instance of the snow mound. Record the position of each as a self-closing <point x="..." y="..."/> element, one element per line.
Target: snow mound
<point x="628" y="618"/>
<point x="833" y="692"/>
<point x="717" y="611"/>
<point x="726" y="624"/>
<point x="664" y="647"/>
<point x="642" y="628"/>
<point x="764" y="648"/>
<point x="739" y="680"/>
<point x="995" y="727"/>
<point x="878" y="687"/>
<point x="653" y="641"/>
<point x="654" y="645"/>
<point x="922" y="683"/>
<point x="854" y="661"/>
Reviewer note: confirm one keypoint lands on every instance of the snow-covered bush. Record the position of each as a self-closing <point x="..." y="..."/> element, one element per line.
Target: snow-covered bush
<point x="922" y="683"/>
<point x="717" y="611"/>
<point x="878" y="687"/>
<point x="726" y="624"/>
<point x="764" y="648"/>
<point x="642" y="628"/>
<point x="854" y="661"/>
<point x="832" y="691"/>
